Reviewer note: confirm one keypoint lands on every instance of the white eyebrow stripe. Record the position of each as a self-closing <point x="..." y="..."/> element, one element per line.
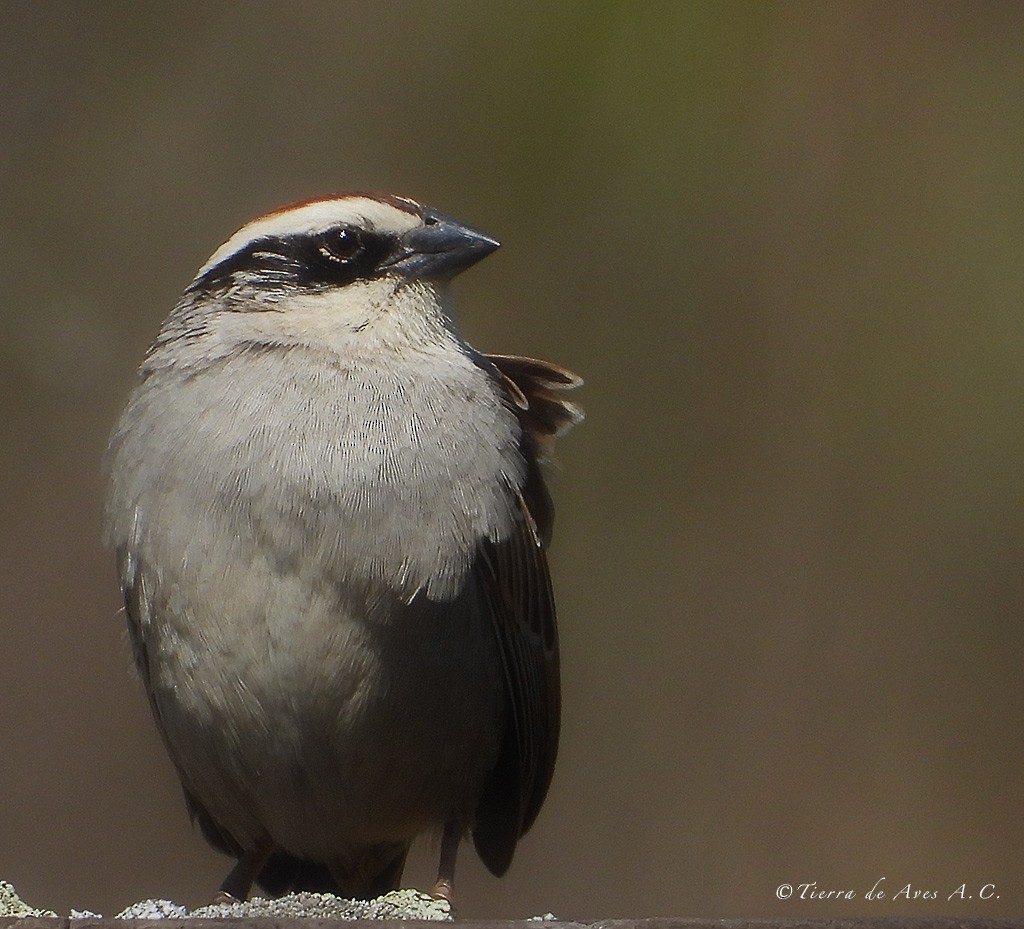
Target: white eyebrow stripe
<point x="316" y="217"/>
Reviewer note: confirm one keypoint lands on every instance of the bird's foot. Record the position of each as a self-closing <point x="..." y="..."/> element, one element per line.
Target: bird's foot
<point x="443" y="890"/>
<point x="222" y="896"/>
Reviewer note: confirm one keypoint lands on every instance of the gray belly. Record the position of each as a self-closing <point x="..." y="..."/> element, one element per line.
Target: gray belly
<point x="330" y="720"/>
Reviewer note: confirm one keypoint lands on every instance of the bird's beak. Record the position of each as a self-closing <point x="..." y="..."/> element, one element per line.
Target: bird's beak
<point x="439" y="249"/>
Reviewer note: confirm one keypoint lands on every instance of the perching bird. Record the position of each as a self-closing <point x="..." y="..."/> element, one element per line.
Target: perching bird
<point x="330" y="523"/>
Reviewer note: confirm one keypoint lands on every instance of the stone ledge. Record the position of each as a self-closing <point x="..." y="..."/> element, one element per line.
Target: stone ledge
<point x="33" y="922"/>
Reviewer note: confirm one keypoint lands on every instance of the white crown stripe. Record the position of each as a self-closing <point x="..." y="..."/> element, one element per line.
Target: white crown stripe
<point x="316" y="217"/>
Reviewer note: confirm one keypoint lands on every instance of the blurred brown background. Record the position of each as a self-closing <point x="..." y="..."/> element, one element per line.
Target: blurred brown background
<point x="782" y="242"/>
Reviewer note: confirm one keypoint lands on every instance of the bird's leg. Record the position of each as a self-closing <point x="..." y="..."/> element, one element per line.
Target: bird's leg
<point x="444" y="889"/>
<point x="238" y="883"/>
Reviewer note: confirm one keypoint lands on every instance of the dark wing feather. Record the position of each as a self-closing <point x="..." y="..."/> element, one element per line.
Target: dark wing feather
<point x="533" y="389"/>
<point x="513" y="575"/>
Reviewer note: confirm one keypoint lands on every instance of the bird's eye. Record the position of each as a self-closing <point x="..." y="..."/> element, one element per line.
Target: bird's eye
<point x="335" y="257"/>
<point x="341" y="245"/>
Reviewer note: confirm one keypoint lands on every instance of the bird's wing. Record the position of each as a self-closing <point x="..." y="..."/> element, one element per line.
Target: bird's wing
<point x="513" y="575"/>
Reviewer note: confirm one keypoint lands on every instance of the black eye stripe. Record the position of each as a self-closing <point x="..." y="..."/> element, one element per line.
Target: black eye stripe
<point x="327" y="259"/>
